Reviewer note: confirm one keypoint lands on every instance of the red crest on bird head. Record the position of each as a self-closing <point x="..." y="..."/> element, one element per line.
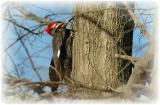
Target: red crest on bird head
<point x="53" y="25"/>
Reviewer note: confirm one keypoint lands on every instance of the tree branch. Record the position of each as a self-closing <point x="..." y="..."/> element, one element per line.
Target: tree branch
<point x="137" y="22"/>
<point x="126" y="57"/>
<point x="28" y="54"/>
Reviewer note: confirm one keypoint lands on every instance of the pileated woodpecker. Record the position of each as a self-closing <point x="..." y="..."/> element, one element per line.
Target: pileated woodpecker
<point x="61" y="62"/>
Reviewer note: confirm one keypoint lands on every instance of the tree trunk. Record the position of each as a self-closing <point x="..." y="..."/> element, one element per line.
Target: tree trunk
<point x="101" y="31"/>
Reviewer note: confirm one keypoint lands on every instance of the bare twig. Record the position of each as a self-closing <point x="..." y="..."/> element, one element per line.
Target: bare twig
<point x="39" y="51"/>
<point x="126" y="57"/>
<point x="20" y="37"/>
<point x="28" y="54"/>
<point x="137" y="22"/>
<point x="27" y="29"/>
<point x="16" y="68"/>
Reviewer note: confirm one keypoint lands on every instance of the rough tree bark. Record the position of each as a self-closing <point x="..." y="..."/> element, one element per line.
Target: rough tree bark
<point x="102" y="29"/>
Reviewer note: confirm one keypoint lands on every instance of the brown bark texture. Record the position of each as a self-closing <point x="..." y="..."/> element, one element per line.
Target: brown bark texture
<point x="102" y="29"/>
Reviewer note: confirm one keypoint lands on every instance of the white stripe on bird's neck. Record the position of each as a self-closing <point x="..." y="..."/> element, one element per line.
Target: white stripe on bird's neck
<point x="58" y="53"/>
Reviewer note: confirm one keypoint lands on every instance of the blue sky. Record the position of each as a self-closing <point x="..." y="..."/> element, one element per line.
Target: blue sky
<point x="35" y="43"/>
